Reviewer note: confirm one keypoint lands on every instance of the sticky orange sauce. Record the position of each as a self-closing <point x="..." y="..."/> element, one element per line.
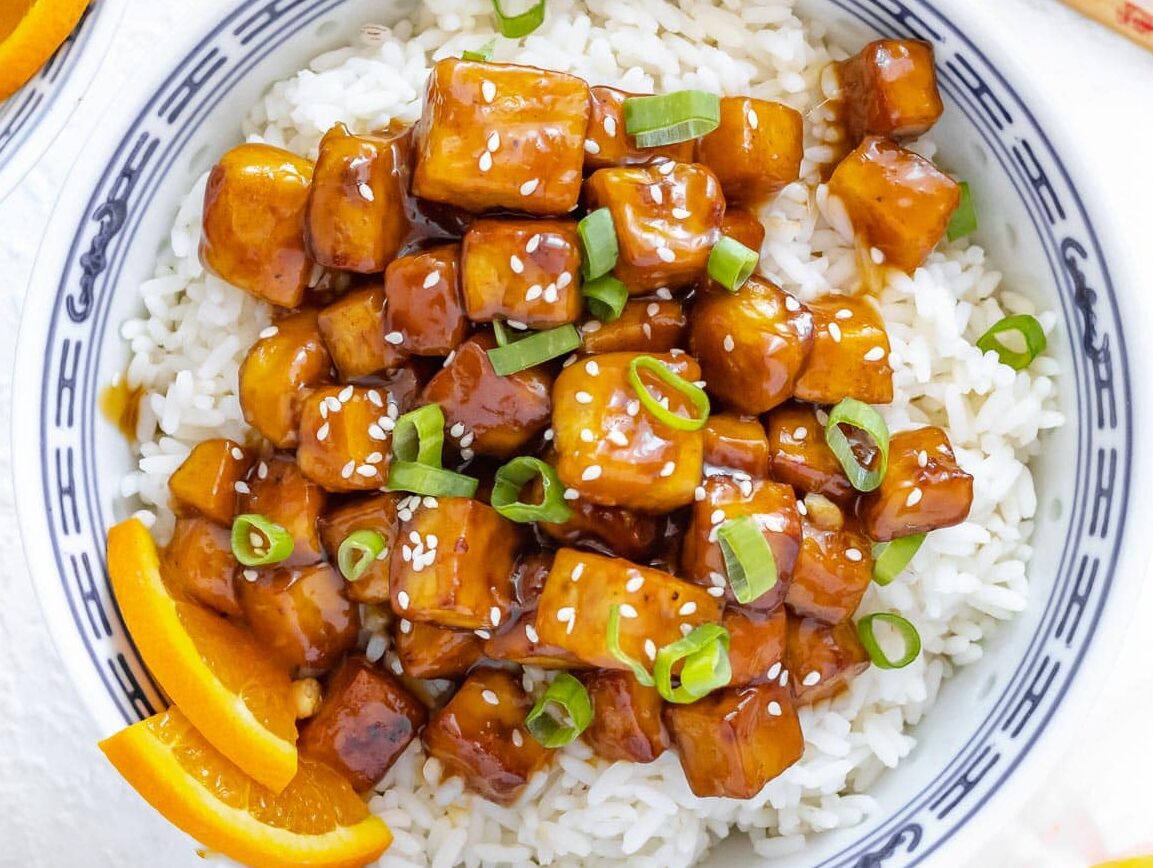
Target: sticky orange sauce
<point x="121" y="406"/>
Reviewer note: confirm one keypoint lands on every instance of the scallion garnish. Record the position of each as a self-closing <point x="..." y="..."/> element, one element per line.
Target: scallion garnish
<point x="695" y="394"/>
<point x="731" y="264"/>
<point x="964" y="219"/>
<point x="891" y="558"/>
<point x="606" y="297"/>
<point x="613" y="643"/>
<point x="705" y="652"/>
<point x="598" y="236"/>
<point x="1031" y="334"/>
<point x="482" y="54"/>
<point x="258" y="541"/>
<point x="656" y="121"/>
<point x="858" y="415"/>
<point x="513" y="477"/>
<point x="536" y="349"/>
<point x="573" y="699"/>
<point x="500" y="333"/>
<point x="356" y="554"/>
<point x="419" y="436"/>
<point x="749" y="560"/>
<point x="516" y="26"/>
<point x="908" y="633"/>
<point x="428" y="480"/>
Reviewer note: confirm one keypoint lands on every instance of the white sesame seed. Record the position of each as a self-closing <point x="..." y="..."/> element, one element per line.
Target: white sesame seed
<point x="490" y="697"/>
<point x="515" y="324"/>
<point x="347" y="471"/>
<point x="548" y="434"/>
<point x="633" y="407"/>
<point x="571" y="494"/>
<point x="333" y="405"/>
<point x="529" y="187"/>
<point x="534" y="292"/>
<point x="715" y="592"/>
<point x="517" y="738"/>
<point x="431" y="279"/>
<point x="813" y="678"/>
<point x="801" y="508"/>
<point x="717" y="579"/>
<point x="386" y="423"/>
<point x="488" y="90"/>
<point x="618" y="438"/>
<point x="251" y="575"/>
<point x="875" y="354"/>
<point x="687" y="609"/>
<point x="657" y="193"/>
<point x="533" y="244"/>
<point x="322" y="432"/>
<point x="367" y="470"/>
<point x="402" y="599"/>
<point x="467" y="440"/>
<point x="262" y="470"/>
<point x="647" y="329"/>
<point x="531" y="633"/>
<point x="774" y="709"/>
<point x="635" y="584"/>
<point x="610" y="125"/>
<point x="564" y="280"/>
<point x="593" y="471"/>
<point x="269" y="332"/>
<point x="729" y="344"/>
<point x="485" y="162"/>
<point x="682" y="213"/>
<point x="751" y="116"/>
<point x="376" y="432"/>
<point x="844" y="313"/>
<point x="592" y="368"/>
<point x="853" y="554"/>
<point x="482" y="633"/>
<point x="700" y="493"/>
<point x="686" y="629"/>
<point x="366" y="192"/>
<point x="914" y="497"/>
<point x="922" y="458"/>
<point x="514" y="262"/>
<point x="394" y="338"/>
<point x="346" y="394"/>
<point x="784" y="679"/>
<point x="587" y="435"/>
<point x="717" y="516"/>
<point x="583" y="397"/>
<point x="405" y="626"/>
<point x="237" y="453"/>
<point x="592" y="147"/>
<point x="650" y="649"/>
<point x="404" y="514"/>
<point x="374" y="458"/>
<point x="432" y="541"/>
<point x="835" y="332"/>
<point x="393" y="411"/>
<point x="593" y="325"/>
<point x="456" y="430"/>
<point x="774" y="671"/>
<point x="493" y="142"/>
<point x="628" y="610"/>
<point x="256" y="540"/>
<point x="494" y="615"/>
<point x="876" y="255"/>
<point x="565" y="613"/>
<point x="653" y="309"/>
<point x="664" y="294"/>
<point x="665" y="254"/>
<point x="241" y="487"/>
<point x="414" y="537"/>
<point x="669" y="469"/>
<point x="666" y="167"/>
<point x="791" y="304"/>
<point x="432" y="503"/>
<point x="550" y="294"/>
<point x="800" y="432"/>
<point x="577" y="572"/>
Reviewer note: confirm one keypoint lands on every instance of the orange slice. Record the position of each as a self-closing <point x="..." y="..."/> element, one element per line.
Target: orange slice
<point x="316" y="820"/>
<point x="30" y="31"/>
<point x="224" y="679"/>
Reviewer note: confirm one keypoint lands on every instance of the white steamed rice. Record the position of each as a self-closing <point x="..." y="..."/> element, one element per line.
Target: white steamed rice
<point x="187" y="349"/>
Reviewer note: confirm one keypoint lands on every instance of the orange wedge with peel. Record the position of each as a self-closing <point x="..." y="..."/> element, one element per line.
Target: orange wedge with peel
<point x="234" y="694"/>
<point x="317" y="820"/>
<point x="30" y="32"/>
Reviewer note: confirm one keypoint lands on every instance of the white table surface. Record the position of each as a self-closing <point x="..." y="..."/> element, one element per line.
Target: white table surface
<point x="61" y="804"/>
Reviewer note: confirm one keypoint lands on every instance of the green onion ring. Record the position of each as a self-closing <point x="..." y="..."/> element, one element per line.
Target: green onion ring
<point x="516" y="26"/>
<point x="428" y="480"/>
<point x="534" y="350"/>
<point x="656" y="121"/>
<point x="606" y="297"/>
<point x="358" y="551"/>
<point x="705" y="652"/>
<point x="1029" y="329"/>
<point x="500" y="332"/>
<point x="749" y="561"/>
<point x="278" y="542"/>
<point x="613" y="643"/>
<point x="512" y="477"/>
<point x="695" y="394"/>
<point x="891" y="558"/>
<point x="908" y="632"/>
<point x="731" y="264"/>
<point x="598" y="236"/>
<point x="858" y="415"/>
<point x="573" y="698"/>
<point x="482" y="54"/>
<point x="419" y="436"/>
<point x="964" y="219"/>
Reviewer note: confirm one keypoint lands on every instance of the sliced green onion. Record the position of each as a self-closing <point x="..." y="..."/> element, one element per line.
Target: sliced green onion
<point x="598" y="236"/>
<point x="891" y="558"/>
<point x="536" y="349"/>
<point x="858" y="415"/>
<point x="356" y="554"/>
<point x="573" y="699"/>
<point x="907" y="631"/>
<point x="482" y="54"/>
<point x="258" y="542"/>
<point x="428" y="480"/>
<point x="749" y="560"/>
<point x="731" y="263"/>
<point x="507" y="486"/>
<point x="516" y="26"/>
<point x="705" y="653"/>
<point x="613" y="642"/>
<point x="669" y="118"/>
<point x="1031" y="333"/>
<point x="500" y="332"/>
<point x="964" y="219"/>
<point x="695" y="394"/>
<point x="606" y="297"/>
<point x="419" y="436"/>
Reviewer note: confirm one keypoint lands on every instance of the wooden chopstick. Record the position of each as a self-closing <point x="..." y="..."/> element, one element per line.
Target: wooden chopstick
<point x="1131" y="18"/>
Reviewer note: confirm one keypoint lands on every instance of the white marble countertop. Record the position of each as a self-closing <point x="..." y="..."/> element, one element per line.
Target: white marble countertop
<point x="61" y="804"/>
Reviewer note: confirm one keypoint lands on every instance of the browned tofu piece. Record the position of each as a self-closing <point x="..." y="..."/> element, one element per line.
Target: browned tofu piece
<point x="356" y="218"/>
<point x="365" y="721"/>
<point x="277" y="372"/>
<point x="353" y="330"/>
<point x="425" y="315"/>
<point x="480" y="736"/>
<point x="205" y="482"/>
<point x="254" y="209"/>
<point x="519" y="641"/>
<point x="644" y="326"/>
<point x="833" y="569"/>
<point x="606" y="142"/>
<point x="501" y="136"/>
<point x="581" y="590"/>
<point x="432" y="651"/>
<point x="342" y="445"/>
<point x="611" y="449"/>
<point x="756" y="150"/>
<point x="302" y="614"/>
<point x="743" y="226"/>
<point x="801" y="457"/>
<point x="667" y="218"/>
<point x="282" y="494"/>
<point x="198" y="562"/>
<point x="889" y="89"/>
<point x="850" y="354"/>
<point x="752" y="344"/>
<point x="736" y="443"/>
<point x="621" y="532"/>
<point x="736" y="740"/>
<point x="822" y="658"/>
<point x="774" y="508"/>
<point x="899" y="202"/>
<point x="627" y="723"/>
<point x="485" y="412"/>
<point x="924" y="489"/>
<point x="453" y="565"/>
<point x="376" y="513"/>
<point x="757" y="644"/>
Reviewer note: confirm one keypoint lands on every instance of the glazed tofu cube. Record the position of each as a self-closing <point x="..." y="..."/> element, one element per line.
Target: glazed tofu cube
<point x="924" y="489"/>
<point x="254" y="209"/>
<point x="627" y="722"/>
<point x="757" y="644"/>
<point x="523" y="270"/>
<point x="611" y="449"/>
<point x="501" y="136"/>
<point x="644" y="326"/>
<point x="621" y="532"/>
<point x="736" y="444"/>
<point x="302" y="615"/>
<point x="353" y="330"/>
<point x="485" y="412"/>
<point x="774" y="508"/>
<point x="198" y="562"/>
<point x="833" y="569"/>
<point x="581" y="590"/>
<point x="454" y="565"/>
<point x="356" y="218"/>
<point x="376" y="513"/>
<point x="667" y="218"/>
<point x="205" y="482"/>
<point x="364" y="723"/>
<point x="282" y="494"/>
<point x="822" y="658"/>
<point x="898" y="201"/>
<point x="752" y="344"/>
<point x="343" y="446"/>
<point x="519" y="643"/>
<point x="424" y="315"/>
<point x="432" y="651"/>
<point x="277" y="372"/>
<point x="889" y="89"/>
<point x="736" y="740"/>
<point x="607" y="144"/>
<point x="801" y="457"/>
<point x="756" y="150"/>
<point x="743" y="226"/>
<point x="850" y="354"/>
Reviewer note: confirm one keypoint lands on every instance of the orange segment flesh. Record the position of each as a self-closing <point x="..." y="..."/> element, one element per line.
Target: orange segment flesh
<point x="232" y="691"/>
<point x="30" y="31"/>
<point x="317" y="820"/>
